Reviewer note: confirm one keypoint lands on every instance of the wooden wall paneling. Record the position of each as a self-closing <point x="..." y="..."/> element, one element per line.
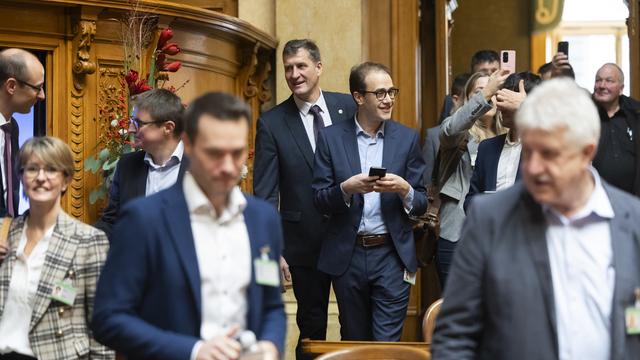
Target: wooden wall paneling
<point x="538" y="51"/>
<point x="634" y="48"/>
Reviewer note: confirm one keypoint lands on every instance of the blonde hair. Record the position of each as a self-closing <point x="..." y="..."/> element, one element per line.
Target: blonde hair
<point x="51" y="150"/>
<point x="477" y="131"/>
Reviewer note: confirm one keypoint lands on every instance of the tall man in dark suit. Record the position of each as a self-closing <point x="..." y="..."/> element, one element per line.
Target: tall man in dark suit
<point x="283" y="171"/>
<point x="369" y="250"/>
<point x="21" y="85"/>
<point x="157" y="128"/>
<point x="191" y="266"/>
<point x="547" y="268"/>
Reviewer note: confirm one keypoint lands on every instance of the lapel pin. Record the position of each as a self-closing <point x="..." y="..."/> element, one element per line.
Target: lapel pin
<point x="339" y="111"/>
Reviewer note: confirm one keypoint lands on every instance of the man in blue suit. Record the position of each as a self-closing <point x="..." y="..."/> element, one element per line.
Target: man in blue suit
<point x="282" y="174"/>
<point x="369" y="250"/>
<point x="194" y="265"/>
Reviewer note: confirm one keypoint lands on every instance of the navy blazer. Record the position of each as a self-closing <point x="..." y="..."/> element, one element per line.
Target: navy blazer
<point x="337" y="159"/>
<point x="129" y="182"/>
<point x="485" y="172"/>
<point x="148" y="301"/>
<point x="283" y="171"/>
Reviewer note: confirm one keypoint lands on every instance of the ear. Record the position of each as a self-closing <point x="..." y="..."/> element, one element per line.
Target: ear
<point x="319" y="68"/>
<point x="169" y="126"/>
<point x="358" y="98"/>
<point x="10" y="85"/>
<point x="589" y="151"/>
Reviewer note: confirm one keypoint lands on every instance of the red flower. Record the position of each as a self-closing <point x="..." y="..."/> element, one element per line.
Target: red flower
<point x="131" y="77"/>
<point x="139" y="87"/>
<point x="172" y="67"/>
<point x="171" y="49"/>
<point x="165" y="35"/>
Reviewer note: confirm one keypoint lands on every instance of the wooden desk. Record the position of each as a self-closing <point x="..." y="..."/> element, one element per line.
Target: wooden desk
<point x="319" y="347"/>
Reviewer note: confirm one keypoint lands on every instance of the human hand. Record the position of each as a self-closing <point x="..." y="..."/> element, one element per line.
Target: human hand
<point x="507" y="100"/>
<point x="495" y="83"/>
<point x="392" y="183"/>
<point x="284" y="270"/>
<point x="268" y="349"/>
<point x="223" y="347"/>
<point x="359" y="184"/>
<point x="560" y="65"/>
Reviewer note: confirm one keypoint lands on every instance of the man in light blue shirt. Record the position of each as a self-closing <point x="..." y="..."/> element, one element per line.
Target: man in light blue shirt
<point x="369" y="250"/>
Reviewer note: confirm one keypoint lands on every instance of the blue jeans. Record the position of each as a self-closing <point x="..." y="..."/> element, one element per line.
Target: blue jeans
<point x="444" y="255"/>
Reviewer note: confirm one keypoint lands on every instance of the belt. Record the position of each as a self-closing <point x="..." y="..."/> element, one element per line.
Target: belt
<point x="367" y="241"/>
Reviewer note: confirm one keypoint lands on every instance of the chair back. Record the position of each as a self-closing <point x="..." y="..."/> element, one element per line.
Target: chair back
<point x="377" y="352"/>
<point x="429" y="320"/>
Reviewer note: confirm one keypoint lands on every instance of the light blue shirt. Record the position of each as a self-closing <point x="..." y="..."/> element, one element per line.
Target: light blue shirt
<point x="583" y="276"/>
<point x="161" y="177"/>
<point x="370" y="151"/>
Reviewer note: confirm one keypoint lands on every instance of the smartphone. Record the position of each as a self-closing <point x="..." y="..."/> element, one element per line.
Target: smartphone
<point x="563" y="47"/>
<point x="377" y="171"/>
<point x="508" y="60"/>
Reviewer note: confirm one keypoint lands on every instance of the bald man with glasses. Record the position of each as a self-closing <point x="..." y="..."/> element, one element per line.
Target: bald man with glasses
<point x="157" y="127"/>
<point x="21" y="86"/>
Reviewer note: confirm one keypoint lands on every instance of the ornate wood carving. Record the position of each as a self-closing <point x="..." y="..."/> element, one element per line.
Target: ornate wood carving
<point x="85" y="32"/>
<point x="262" y="77"/>
<point x="77" y="147"/>
<point x="246" y="78"/>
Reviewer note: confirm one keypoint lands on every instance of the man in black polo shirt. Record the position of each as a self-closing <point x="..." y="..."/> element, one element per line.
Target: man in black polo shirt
<point x="617" y="159"/>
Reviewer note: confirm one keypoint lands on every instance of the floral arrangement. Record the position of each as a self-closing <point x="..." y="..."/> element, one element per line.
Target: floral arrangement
<point x="114" y="139"/>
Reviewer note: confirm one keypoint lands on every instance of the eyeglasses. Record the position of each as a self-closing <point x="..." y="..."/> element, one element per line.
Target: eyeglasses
<point x="32" y="171"/>
<point x="137" y="123"/>
<point x="34" y="87"/>
<point x="382" y="93"/>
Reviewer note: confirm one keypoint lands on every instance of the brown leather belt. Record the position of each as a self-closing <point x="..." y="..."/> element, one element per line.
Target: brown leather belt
<point x="367" y="241"/>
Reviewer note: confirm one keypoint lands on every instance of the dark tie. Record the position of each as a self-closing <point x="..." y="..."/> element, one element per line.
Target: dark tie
<point x="318" y="123"/>
<point x="8" y="167"/>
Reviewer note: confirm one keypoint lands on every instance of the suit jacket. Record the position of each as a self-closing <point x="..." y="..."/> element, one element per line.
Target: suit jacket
<point x="148" y="302"/>
<point x="283" y="171"/>
<point x="336" y="160"/>
<point x="499" y="301"/>
<point x="129" y="182"/>
<point x="15" y="148"/>
<point x="76" y="252"/>
<point x="430" y="152"/>
<point x="485" y="173"/>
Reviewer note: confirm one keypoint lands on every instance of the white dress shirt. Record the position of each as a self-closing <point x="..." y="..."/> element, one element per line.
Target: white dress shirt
<point x="224" y="260"/>
<point x="307" y="117"/>
<point x="581" y="260"/>
<point x="163" y="176"/>
<point x="18" y="308"/>
<point x="508" y="164"/>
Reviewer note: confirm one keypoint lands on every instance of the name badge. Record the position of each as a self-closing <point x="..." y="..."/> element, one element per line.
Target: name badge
<point x="409" y="277"/>
<point x="632" y="316"/>
<point x="267" y="270"/>
<point x="64" y="292"/>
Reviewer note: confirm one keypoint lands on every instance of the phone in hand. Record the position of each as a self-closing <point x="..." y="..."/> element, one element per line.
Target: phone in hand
<point x="508" y="60"/>
<point x="563" y="47"/>
<point x="377" y="171"/>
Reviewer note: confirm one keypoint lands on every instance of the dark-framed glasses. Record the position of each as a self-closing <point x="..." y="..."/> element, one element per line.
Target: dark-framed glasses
<point x="36" y="88"/>
<point x="137" y="123"/>
<point x="32" y="171"/>
<point x="382" y="93"/>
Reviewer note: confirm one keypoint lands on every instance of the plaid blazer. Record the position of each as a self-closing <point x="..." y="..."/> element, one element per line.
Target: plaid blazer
<point x="76" y="252"/>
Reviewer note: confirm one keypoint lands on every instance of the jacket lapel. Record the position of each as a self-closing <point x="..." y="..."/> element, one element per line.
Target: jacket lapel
<point x="6" y="267"/>
<point x="388" y="150"/>
<point x="176" y="215"/>
<point x="57" y="265"/>
<point x="184" y="166"/>
<point x="351" y="148"/>
<point x="625" y="246"/>
<point x="257" y="242"/>
<point x="336" y="111"/>
<point x="298" y="133"/>
<point x="534" y="233"/>
<point x="138" y="178"/>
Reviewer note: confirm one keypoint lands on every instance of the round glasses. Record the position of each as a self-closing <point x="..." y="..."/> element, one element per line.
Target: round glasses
<point x="32" y="171"/>
<point x="137" y="123"/>
<point x="382" y="93"/>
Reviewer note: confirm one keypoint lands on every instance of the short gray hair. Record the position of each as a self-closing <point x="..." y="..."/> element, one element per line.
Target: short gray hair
<point x="561" y="104"/>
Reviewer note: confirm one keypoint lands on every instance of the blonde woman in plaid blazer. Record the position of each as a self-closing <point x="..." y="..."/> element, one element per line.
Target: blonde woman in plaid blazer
<point x="40" y="317"/>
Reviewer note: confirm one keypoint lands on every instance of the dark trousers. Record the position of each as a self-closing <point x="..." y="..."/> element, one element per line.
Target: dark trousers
<point x="311" y="288"/>
<point x="15" y="356"/>
<point x="444" y="255"/>
<point x="372" y="295"/>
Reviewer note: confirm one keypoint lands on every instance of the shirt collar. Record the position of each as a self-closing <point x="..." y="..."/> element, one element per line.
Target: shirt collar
<point x="3" y="120"/>
<point x="304" y="106"/>
<point x="198" y="203"/>
<point x="508" y="141"/>
<point x="598" y="204"/>
<point x="176" y="158"/>
<point x="360" y="130"/>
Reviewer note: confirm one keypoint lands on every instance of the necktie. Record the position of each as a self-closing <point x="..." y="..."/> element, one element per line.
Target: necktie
<point x="8" y="165"/>
<point x="318" y="123"/>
